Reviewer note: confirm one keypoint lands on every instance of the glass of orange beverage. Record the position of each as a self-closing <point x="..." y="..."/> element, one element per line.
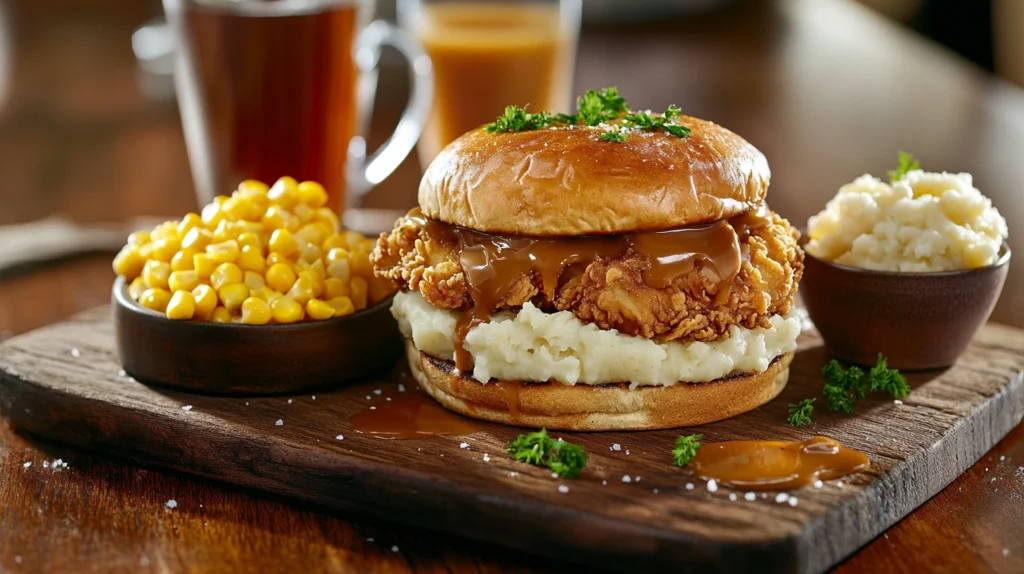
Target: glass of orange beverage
<point x="488" y="54"/>
<point x="269" y="88"/>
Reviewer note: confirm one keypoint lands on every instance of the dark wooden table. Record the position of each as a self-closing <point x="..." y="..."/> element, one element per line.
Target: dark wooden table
<point x="826" y="89"/>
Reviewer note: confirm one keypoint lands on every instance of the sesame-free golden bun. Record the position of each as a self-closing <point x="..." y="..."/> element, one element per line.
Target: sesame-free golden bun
<point x="596" y="408"/>
<point x="566" y="181"/>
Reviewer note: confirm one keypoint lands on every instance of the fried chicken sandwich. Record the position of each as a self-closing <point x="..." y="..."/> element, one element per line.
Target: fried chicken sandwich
<point x="602" y="270"/>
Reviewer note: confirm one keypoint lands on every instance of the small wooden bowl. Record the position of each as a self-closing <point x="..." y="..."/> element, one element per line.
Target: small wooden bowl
<point x="917" y="320"/>
<point x="229" y="358"/>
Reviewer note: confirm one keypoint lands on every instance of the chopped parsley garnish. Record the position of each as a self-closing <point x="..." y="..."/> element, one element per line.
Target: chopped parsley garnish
<point x="644" y="121"/>
<point x="516" y="119"/>
<point x="538" y="448"/>
<point x="593" y="108"/>
<point x="801" y="414"/>
<point x="844" y="386"/>
<point x="686" y="448"/>
<point x="616" y="136"/>
<point x="906" y="163"/>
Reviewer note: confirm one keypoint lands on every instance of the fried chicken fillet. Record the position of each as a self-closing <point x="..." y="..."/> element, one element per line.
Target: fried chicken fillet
<point x="611" y="292"/>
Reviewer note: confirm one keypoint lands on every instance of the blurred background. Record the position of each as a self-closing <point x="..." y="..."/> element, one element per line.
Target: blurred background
<point x="91" y="120"/>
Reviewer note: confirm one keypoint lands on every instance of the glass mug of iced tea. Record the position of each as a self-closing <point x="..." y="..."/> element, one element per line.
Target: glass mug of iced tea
<point x="488" y="54"/>
<point x="285" y="87"/>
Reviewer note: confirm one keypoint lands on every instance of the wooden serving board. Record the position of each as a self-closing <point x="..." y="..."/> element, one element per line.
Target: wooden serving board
<point x="63" y="382"/>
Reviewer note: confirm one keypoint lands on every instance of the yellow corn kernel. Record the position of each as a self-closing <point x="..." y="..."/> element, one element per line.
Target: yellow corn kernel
<point x="302" y="290"/>
<point x="379" y="289"/>
<point x="281" y="241"/>
<point x="250" y="259"/>
<point x="276" y="217"/>
<point x="334" y="287"/>
<point x="206" y="301"/>
<point x="203" y="265"/>
<point x="235" y="209"/>
<point x="181" y="306"/>
<point x="284" y="192"/>
<point x="220" y="199"/>
<point x="212" y="214"/>
<point x="315" y="282"/>
<point x="359" y="292"/>
<point x="304" y="213"/>
<point x="314" y="232"/>
<point x="319" y="310"/>
<point x="339" y="270"/>
<point x="334" y="241"/>
<point x="351" y="238"/>
<point x="265" y="293"/>
<point x="225" y="273"/>
<point x="190" y="221"/>
<point x="128" y="262"/>
<point x="164" y="249"/>
<point x="280" y="277"/>
<point x="312" y="194"/>
<point x="284" y="309"/>
<point x="155" y="274"/>
<point x="309" y="253"/>
<point x="326" y="216"/>
<point x="253" y="188"/>
<point x="164" y="230"/>
<point x="136" y="287"/>
<point x="254" y="280"/>
<point x="255" y="311"/>
<point x="232" y="294"/>
<point x="183" y="280"/>
<point x="275" y="258"/>
<point x="342" y="306"/>
<point x="359" y="265"/>
<point x="139" y="238"/>
<point x="226" y="252"/>
<point x="155" y="299"/>
<point x="317" y="269"/>
<point x="221" y="315"/>
<point x="251" y="239"/>
<point x="183" y="260"/>
<point x="197" y="239"/>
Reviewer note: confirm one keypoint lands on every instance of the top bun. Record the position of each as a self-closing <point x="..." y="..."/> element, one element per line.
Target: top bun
<point x="565" y="181"/>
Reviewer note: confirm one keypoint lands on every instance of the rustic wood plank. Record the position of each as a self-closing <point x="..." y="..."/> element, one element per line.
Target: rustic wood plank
<point x="949" y="420"/>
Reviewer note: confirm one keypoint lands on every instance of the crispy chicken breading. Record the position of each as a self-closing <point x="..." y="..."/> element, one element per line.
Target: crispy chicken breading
<point x="611" y="292"/>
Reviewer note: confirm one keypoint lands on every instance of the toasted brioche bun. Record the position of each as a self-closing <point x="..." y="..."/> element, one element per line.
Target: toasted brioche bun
<point x="596" y="408"/>
<point x="567" y="182"/>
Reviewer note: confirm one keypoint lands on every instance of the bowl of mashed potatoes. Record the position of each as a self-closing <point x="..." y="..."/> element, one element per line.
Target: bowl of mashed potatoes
<point x="909" y="268"/>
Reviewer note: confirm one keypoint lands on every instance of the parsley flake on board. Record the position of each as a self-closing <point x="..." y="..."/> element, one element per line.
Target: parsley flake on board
<point x="538" y="448"/>
<point x="801" y="414"/>
<point x="844" y="386"/>
<point x="686" y="449"/>
<point x="906" y="163"/>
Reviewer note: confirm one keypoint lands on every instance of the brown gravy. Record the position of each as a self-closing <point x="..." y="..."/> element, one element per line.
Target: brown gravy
<point x="411" y="414"/>
<point x="776" y="465"/>
<point x="493" y="264"/>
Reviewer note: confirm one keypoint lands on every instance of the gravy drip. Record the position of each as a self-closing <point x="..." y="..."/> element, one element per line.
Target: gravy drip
<point x="776" y="465"/>
<point x="492" y="264"/>
<point x="411" y="414"/>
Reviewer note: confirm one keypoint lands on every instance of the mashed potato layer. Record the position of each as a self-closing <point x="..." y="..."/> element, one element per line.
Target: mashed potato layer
<point x="536" y="346"/>
<point x="924" y="222"/>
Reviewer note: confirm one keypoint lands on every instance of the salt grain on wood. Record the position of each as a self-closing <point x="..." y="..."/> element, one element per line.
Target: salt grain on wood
<point x="340" y="437"/>
<point x="171" y="503"/>
<point x="280" y="422"/>
<point x="750" y="496"/>
<point x="186" y="408"/>
<point x="712" y="485"/>
<point x="563" y="488"/>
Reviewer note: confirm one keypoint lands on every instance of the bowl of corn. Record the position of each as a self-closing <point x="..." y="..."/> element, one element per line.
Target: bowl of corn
<point x="260" y="292"/>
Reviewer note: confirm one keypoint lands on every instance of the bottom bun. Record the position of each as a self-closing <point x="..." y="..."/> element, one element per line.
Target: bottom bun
<point x="596" y="407"/>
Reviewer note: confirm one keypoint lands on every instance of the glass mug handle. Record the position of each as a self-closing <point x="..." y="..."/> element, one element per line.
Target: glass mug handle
<point x="365" y="172"/>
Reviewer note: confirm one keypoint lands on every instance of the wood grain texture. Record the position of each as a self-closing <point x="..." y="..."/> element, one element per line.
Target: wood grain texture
<point x="949" y="421"/>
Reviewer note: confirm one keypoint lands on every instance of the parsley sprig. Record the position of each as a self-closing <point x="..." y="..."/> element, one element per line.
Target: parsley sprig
<point x="905" y="163"/>
<point x="801" y="414"/>
<point x="686" y="448"/>
<point x="845" y="386"/>
<point x="538" y="448"/>
<point x="593" y="108"/>
<point x="516" y="119"/>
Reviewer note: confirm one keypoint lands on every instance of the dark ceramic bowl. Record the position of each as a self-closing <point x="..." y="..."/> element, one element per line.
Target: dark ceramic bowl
<point x="917" y="320"/>
<point x="229" y="358"/>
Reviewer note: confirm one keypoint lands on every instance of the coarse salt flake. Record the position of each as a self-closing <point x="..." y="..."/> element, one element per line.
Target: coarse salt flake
<point x="401" y="388"/>
<point x="793" y="501"/>
<point x="280" y="422"/>
<point x="818" y="484"/>
<point x="340" y="437"/>
<point x="290" y="401"/>
<point x="897" y="402"/>
<point x="186" y="408"/>
<point x="689" y="486"/>
<point x="394" y="548"/>
<point x="377" y="392"/>
<point x="626" y="478"/>
<point x="487" y="458"/>
<point x="712" y="485"/>
<point x="563" y="488"/>
<point x="171" y="503"/>
<point x="782" y="497"/>
<point x="75" y="352"/>
<point x="27" y="464"/>
<point x="616" y="447"/>
<point x="732" y="496"/>
<point x="464" y="445"/>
